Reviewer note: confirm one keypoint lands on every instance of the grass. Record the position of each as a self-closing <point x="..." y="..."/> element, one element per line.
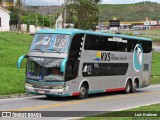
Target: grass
<point x="155" y="68"/>
<point x="130" y="112"/>
<point x="156" y="64"/>
<point x="13" y="45"/>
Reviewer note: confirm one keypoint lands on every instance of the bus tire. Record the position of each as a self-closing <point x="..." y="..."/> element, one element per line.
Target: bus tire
<point x="134" y="87"/>
<point x="128" y="87"/>
<point x="83" y="92"/>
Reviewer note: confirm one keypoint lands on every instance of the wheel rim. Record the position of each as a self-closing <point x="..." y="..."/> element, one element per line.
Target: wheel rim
<point x="83" y="91"/>
<point x="135" y="86"/>
<point x="128" y="88"/>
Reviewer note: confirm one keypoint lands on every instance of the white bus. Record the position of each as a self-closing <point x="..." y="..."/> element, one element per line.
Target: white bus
<point x="71" y="62"/>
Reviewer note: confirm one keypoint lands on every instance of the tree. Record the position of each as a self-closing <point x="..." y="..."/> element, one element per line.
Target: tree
<point x="19" y="6"/>
<point x="0" y="2"/>
<point x="83" y="12"/>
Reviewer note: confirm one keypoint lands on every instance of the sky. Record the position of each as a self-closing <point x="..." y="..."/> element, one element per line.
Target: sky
<point x="59" y="2"/>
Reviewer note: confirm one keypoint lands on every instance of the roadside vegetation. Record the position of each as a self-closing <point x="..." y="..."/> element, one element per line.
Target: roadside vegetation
<point x="13" y="45"/>
<point x="156" y="68"/>
<point x="114" y="115"/>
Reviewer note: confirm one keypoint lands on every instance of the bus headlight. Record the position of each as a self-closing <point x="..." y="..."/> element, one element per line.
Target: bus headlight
<point x="28" y="85"/>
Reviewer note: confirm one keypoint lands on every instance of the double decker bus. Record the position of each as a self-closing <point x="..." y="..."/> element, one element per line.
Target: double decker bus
<point x="72" y="62"/>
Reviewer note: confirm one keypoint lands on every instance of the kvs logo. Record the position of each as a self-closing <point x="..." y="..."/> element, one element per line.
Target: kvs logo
<point x="103" y="56"/>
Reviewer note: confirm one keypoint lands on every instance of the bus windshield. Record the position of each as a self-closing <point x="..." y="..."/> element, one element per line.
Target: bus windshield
<point x="44" y="68"/>
<point x="50" y="43"/>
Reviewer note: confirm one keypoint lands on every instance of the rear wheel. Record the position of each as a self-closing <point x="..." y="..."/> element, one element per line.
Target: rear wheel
<point x="128" y="87"/>
<point x="83" y="92"/>
<point x="134" y="87"/>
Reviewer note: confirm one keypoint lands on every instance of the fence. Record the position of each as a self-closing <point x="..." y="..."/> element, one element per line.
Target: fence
<point x="31" y="29"/>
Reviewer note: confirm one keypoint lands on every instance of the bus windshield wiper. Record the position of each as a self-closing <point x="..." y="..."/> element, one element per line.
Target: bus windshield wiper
<point x="38" y="50"/>
<point x="54" y="50"/>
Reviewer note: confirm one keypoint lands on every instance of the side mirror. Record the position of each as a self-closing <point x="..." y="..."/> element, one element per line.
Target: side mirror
<point x="20" y="61"/>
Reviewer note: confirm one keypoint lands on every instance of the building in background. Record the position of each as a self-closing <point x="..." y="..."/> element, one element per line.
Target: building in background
<point x="4" y="19"/>
<point x="59" y="22"/>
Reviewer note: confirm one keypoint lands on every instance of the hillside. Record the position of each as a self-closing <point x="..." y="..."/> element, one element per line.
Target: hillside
<point x="129" y="12"/>
<point x="124" y="12"/>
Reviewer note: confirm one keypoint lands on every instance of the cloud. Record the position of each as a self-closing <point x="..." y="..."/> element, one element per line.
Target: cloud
<point x="59" y="2"/>
<point x="125" y="1"/>
<point x="44" y="2"/>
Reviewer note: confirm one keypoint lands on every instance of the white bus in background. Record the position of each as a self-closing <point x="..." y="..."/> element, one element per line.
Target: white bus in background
<point x="71" y="62"/>
<point x="140" y="27"/>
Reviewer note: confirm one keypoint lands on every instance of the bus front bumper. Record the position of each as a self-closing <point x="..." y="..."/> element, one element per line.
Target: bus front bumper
<point x="48" y="92"/>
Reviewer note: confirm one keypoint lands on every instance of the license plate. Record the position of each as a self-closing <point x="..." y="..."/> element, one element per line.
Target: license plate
<point x="41" y="91"/>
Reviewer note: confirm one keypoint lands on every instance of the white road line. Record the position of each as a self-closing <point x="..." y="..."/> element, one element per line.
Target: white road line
<point x="22" y="98"/>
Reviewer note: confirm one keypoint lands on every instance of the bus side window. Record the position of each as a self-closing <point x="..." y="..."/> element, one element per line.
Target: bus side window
<point x="72" y="66"/>
<point x="147" y="46"/>
<point x="102" y="43"/>
<point x="129" y="46"/>
<point x="91" y="42"/>
<point x="76" y="46"/>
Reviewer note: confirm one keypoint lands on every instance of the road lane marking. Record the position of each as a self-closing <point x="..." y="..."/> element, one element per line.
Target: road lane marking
<point x="39" y="96"/>
<point x="81" y="101"/>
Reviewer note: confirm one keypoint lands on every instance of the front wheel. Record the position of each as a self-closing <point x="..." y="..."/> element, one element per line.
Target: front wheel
<point x="83" y="92"/>
<point x="128" y="87"/>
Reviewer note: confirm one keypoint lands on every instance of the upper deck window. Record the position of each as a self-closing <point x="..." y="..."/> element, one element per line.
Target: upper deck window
<point x="104" y="43"/>
<point x="51" y="43"/>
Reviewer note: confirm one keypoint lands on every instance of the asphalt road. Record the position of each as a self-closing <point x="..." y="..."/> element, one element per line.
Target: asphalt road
<point x="99" y="103"/>
<point x="156" y="48"/>
<point x="67" y="108"/>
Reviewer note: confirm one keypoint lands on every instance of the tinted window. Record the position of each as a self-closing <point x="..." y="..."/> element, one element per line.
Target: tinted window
<point x="74" y="55"/>
<point x="91" y="42"/>
<point x="147" y="46"/>
<point x="103" y="43"/>
<point x="94" y="42"/>
<point x="104" y="69"/>
<point x="76" y="45"/>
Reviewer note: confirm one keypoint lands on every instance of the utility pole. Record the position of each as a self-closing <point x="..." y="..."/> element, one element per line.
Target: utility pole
<point x="64" y="13"/>
<point x="50" y="18"/>
<point x="36" y="20"/>
<point x="43" y="19"/>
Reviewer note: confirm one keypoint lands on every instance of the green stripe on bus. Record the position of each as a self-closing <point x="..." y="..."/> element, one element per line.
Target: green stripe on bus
<point x="95" y="91"/>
